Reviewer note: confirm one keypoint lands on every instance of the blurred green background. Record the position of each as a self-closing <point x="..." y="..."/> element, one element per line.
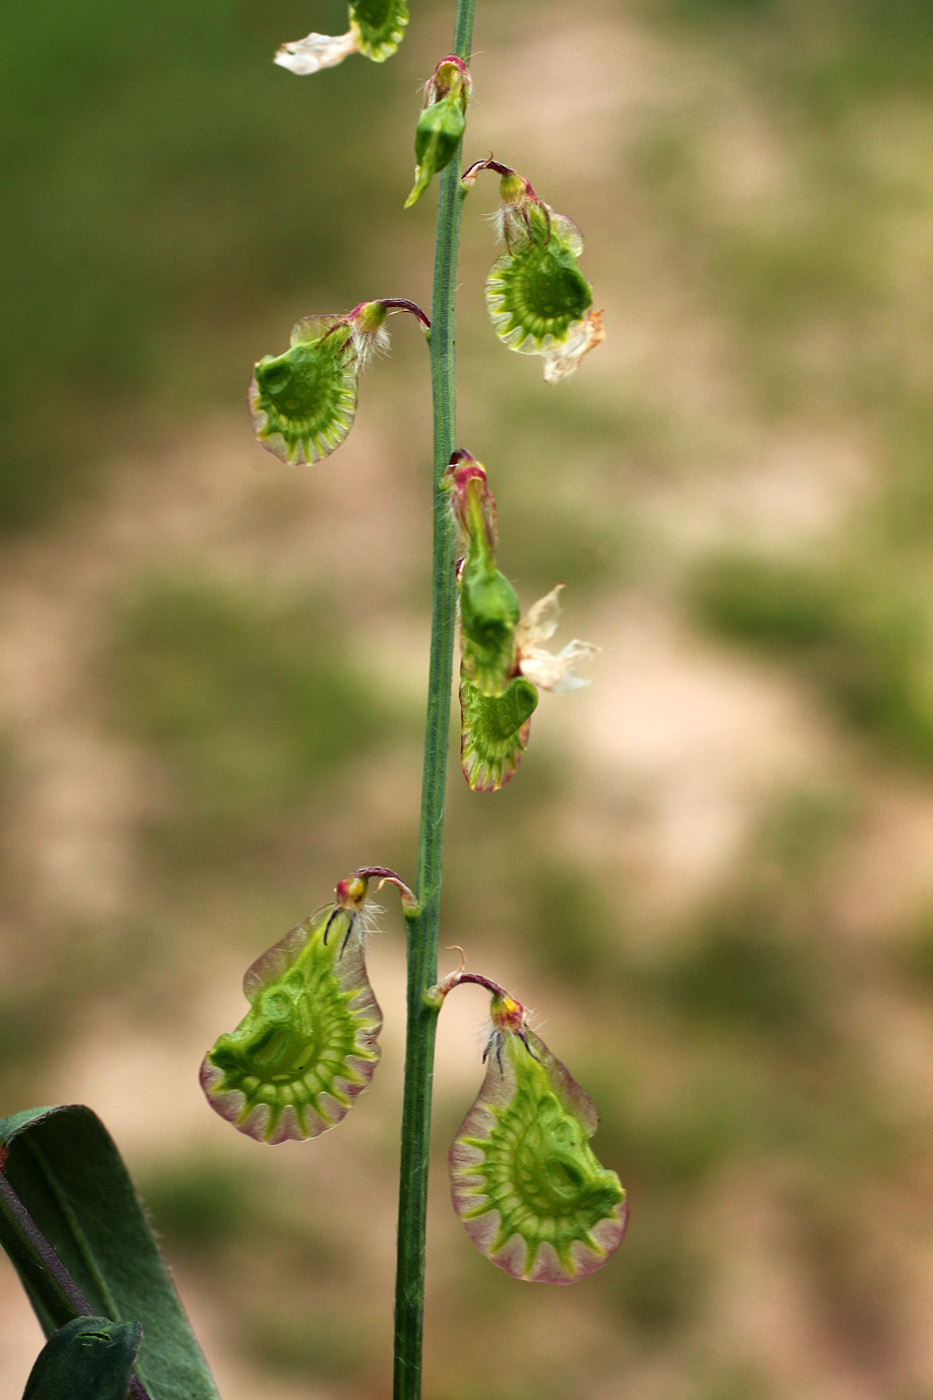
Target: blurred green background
<point x="713" y="876"/>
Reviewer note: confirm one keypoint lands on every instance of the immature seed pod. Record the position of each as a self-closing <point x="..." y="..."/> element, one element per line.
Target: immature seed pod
<point x="308" y="1045"/>
<point x="378" y="26"/>
<point x="524" y="1180"/>
<point x="303" y="402"/>
<point x="494" y="731"/>
<point x="489" y="614"/>
<point x="535" y="292"/>
<point x="437" y="136"/>
<point x="489" y="610"/>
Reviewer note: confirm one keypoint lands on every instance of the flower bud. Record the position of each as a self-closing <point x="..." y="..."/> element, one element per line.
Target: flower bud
<point x="441" y="124"/>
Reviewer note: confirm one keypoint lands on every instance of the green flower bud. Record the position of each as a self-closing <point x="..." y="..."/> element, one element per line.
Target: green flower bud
<point x="441" y="124"/>
<point x="489" y="614"/>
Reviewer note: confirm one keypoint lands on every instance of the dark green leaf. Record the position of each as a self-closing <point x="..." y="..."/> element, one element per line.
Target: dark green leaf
<point x="66" y="1170"/>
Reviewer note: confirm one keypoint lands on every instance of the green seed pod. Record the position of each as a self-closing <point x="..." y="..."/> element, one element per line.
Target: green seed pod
<point x="524" y="1180"/>
<point x="537" y="295"/>
<point x="494" y="731"/>
<point x="437" y="138"/>
<point x="308" y="1044"/>
<point x="303" y="402"/>
<point x="378" y="26"/>
<point x="489" y="614"/>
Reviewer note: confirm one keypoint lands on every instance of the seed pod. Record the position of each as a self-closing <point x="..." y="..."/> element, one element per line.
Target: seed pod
<point x="376" y="30"/>
<point x="524" y="1180"/>
<point x="308" y="1044"/>
<point x="378" y="26"/>
<point x="303" y="402"/>
<point x="535" y="292"/>
<point x="539" y="301"/>
<point x="494" y="731"/>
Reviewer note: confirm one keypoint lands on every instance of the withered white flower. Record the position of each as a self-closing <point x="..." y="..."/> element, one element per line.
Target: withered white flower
<point x="543" y="668"/>
<point x="315" y="52"/>
<point x="563" y="359"/>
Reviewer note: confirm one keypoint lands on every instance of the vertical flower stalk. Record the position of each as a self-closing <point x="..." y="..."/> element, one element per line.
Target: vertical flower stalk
<point x="422" y="926"/>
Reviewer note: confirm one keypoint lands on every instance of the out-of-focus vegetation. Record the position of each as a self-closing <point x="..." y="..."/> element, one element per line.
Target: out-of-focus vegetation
<point x="712" y="873"/>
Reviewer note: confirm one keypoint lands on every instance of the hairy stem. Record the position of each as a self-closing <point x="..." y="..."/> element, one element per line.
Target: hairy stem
<point x="423" y="926"/>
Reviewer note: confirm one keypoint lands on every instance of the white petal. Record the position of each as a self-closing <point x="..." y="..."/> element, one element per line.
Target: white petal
<point x="557" y="673"/>
<point x="315" y="52"/>
<point x="565" y="358"/>
<point x="540" y="621"/>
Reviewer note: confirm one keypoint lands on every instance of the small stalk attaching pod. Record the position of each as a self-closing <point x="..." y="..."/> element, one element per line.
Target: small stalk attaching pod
<point x="442" y="122"/>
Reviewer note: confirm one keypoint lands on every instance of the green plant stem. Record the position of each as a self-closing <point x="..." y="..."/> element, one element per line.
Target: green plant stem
<point x="423" y="926"/>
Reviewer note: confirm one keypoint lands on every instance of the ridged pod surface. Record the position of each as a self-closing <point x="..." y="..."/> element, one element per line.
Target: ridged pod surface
<point x="308" y="1044"/>
<point x="378" y="26"/>
<point x="494" y="731"/>
<point x="524" y="1180"/>
<point x="303" y="402"/>
<point x="536" y="294"/>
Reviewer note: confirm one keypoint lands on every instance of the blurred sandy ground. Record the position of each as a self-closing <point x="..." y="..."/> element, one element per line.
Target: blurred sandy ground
<point x="712" y="874"/>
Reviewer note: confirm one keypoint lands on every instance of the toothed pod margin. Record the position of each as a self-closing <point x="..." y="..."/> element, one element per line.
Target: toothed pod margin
<point x="539" y="301"/>
<point x="494" y="731"/>
<point x="308" y="1045"/>
<point x="525" y="1182"/>
<point x="303" y="402"/>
